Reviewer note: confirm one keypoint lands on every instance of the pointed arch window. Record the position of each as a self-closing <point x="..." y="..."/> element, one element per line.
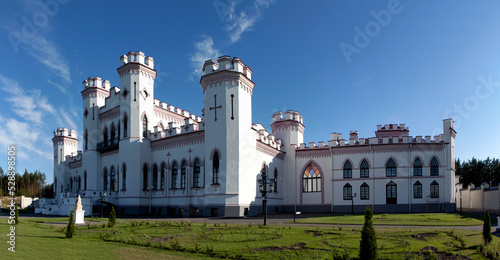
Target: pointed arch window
<point x="417" y="167"/>
<point x="391" y="191"/>
<point x="124" y="177"/>
<point x="71" y="184"/>
<point x="105" y="179"/>
<point x="86" y="140"/>
<point x="162" y="176"/>
<point x="174" y="175"/>
<point x="113" y="179"/>
<point x="79" y="183"/>
<point x="125" y="125"/>
<point x="183" y="174"/>
<point x="196" y="174"/>
<point x="434" y="167"/>
<point x="364" y="171"/>
<point x="347" y="170"/>
<point x="145" y="177"/>
<point x="417" y="190"/>
<point x="85" y="180"/>
<point x="434" y="189"/>
<point x="113" y="134"/>
<point x="215" y="168"/>
<point x="347" y="192"/>
<point x="311" y="179"/>
<point x="364" y="191"/>
<point x="390" y="168"/>
<point x="275" y="180"/>
<point x="105" y="136"/>
<point x="144" y="126"/>
<point x="155" y="177"/>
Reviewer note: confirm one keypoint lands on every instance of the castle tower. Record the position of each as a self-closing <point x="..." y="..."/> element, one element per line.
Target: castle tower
<point x="137" y="76"/>
<point x="94" y="94"/>
<point x="227" y="88"/>
<point x="449" y="134"/>
<point x="290" y="129"/>
<point x="65" y="144"/>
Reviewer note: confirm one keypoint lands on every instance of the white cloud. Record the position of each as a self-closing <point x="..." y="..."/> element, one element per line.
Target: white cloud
<point x="205" y="50"/>
<point x="24" y="137"/>
<point x="244" y="21"/>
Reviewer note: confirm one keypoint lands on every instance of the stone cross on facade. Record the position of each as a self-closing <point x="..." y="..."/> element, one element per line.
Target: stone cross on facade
<point x="215" y="107"/>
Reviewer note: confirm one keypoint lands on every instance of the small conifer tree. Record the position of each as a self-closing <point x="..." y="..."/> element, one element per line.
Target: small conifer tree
<point x="112" y="217"/>
<point x="16" y="216"/>
<point x="368" y="243"/>
<point x="70" y="230"/>
<point x="487" y="228"/>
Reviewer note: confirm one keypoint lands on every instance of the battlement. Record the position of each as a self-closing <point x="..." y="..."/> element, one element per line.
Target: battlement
<point x="137" y="57"/>
<point x="96" y="82"/>
<point x="74" y="157"/>
<point x="225" y="63"/>
<point x="290" y="115"/>
<point x="392" y="130"/>
<point x="265" y="137"/>
<point x="64" y="132"/>
<point x="177" y="110"/>
<point x="190" y="125"/>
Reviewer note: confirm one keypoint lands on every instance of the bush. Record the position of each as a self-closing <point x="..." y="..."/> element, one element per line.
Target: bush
<point x="487" y="228"/>
<point x="112" y="217"/>
<point x="70" y="230"/>
<point x="16" y="216"/>
<point x="368" y="243"/>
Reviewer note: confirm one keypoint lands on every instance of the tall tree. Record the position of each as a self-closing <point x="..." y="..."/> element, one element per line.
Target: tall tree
<point x="368" y="243"/>
<point x="487" y="228"/>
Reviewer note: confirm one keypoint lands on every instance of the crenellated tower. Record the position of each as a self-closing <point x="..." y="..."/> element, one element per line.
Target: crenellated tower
<point x="227" y="88"/>
<point x="65" y="144"/>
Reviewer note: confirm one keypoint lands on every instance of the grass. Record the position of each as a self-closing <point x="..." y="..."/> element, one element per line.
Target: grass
<point x="148" y="239"/>
<point x="431" y="219"/>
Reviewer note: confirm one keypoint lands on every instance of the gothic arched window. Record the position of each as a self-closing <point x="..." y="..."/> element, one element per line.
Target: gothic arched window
<point x="275" y="180"/>
<point x="434" y="189"/>
<point x="390" y="168"/>
<point x="364" y="191"/>
<point x="417" y="190"/>
<point x="155" y="177"/>
<point x="347" y="170"/>
<point x="162" y="177"/>
<point x="85" y="180"/>
<point x="391" y="192"/>
<point x="113" y="179"/>
<point x="124" y="177"/>
<point x="364" y="171"/>
<point x="215" y="168"/>
<point x="86" y="140"/>
<point x="417" y="167"/>
<point x="145" y="177"/>
<point x="174" y="175"/>
<point x="434" y="167"/>
<point x="125" y="125"/>
<point x="196" y="174"/>
<point x="311" y="179"/>
<point x="105" y="136"/>
<point x="347" y="192"/>
<point x="105" y="179"/>
<point x="183" y="174"/>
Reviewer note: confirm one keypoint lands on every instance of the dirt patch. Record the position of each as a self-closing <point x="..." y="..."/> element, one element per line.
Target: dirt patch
<point x="92" y="231"/>
<point x="294" y="247"/>
<point x="160" y="239"/>
<point x="317" y="233"/>
<point x="422" y="236"/>
<point x="440" y="255"/>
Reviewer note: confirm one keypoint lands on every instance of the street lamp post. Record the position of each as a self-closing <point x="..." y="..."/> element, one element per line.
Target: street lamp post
<point x="266" y="186"/>
<point x="103" y="198"/>
<point x="352" y="203"/>
<point x="460" y="201"/>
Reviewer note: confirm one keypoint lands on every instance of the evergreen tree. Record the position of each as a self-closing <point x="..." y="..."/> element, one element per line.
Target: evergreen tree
<point x="70" y="230"/>
<point x="368" y="243"/>
<point x="112" y="217"/>
<point x="16" y="216"/>
<point x="487" y="228"/>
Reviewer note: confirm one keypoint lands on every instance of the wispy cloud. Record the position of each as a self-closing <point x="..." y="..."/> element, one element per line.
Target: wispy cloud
<point x="205" y="50"/>
<point x="238" y="23"/>
<point x="23" y="136"/>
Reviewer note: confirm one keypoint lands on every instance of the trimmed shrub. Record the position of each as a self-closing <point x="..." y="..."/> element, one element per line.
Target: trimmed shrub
<point x="487" y="228"/>
<point x="112" y="217"/>
<point x="70" y="230"/>
<point x="368" y="243"/>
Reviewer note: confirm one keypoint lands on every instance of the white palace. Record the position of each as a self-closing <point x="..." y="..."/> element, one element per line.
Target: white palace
<point x="153" y="158"/>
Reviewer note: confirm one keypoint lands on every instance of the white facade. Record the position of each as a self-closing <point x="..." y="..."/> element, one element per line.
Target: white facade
<point x="153" y="158"/>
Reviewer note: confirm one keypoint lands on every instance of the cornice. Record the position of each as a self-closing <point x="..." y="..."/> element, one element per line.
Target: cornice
<point x="227" y="77"/>
<point x="110" y="113"/>
<point x="178" y="140"/>
<point x="135" y="68"/>
<point x="262" y="147"/>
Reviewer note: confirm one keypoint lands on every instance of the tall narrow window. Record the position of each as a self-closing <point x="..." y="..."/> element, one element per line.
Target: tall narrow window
<point x="183" y="174"/>
<point x="125" y="125"/>
<point x="434" y="189"/>
<point x="417" y="167"/>
<point x="215" y="169"/>
<point x="113" y="179"/>
<point x="174" y="175"/>
<point x="390" y="168"/>
<point x="144" y="126"/>
<point x="71" y="184"/>
<point x="105" y="136"/>
<point x="86" y="140"/>
<point x="347" y="192"/>
<point x="79" y="183"/>
<point x="364" y="171"/>
<point x="391" y="192"/>
<point x="196" y="174"/>
<point x="417" y="190"/>
<point x="311" y="179"/>
<point x="275" y="180"/>
<point x="434" y="167"/>
<point x="155" y="177"/>
<point x="113" y="134"/>
<point x="124" y="177"/>
<point x="119" y="130"/>
<point x="85" y="180"/>
<point x="364" y="191"/>
<point x="105" y="179"/>
<point x="162" y="177"/>
<point x="145" y="177"/>
<point x="347" y="170"/>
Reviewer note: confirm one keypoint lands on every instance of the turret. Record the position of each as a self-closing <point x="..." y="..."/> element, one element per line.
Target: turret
<point x="289" y="128"/>
<point x="65" y="144"/>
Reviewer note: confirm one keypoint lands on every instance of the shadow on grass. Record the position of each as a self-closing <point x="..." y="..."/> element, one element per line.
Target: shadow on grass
<point x="478" y="216"/>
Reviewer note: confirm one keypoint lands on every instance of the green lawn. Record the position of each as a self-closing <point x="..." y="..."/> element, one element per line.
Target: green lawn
<point x="184" y="240"/>
<point x="431" y="219"/>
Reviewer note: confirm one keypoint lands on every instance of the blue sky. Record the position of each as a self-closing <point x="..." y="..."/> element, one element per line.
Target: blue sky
<point x="344" y="65"/>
